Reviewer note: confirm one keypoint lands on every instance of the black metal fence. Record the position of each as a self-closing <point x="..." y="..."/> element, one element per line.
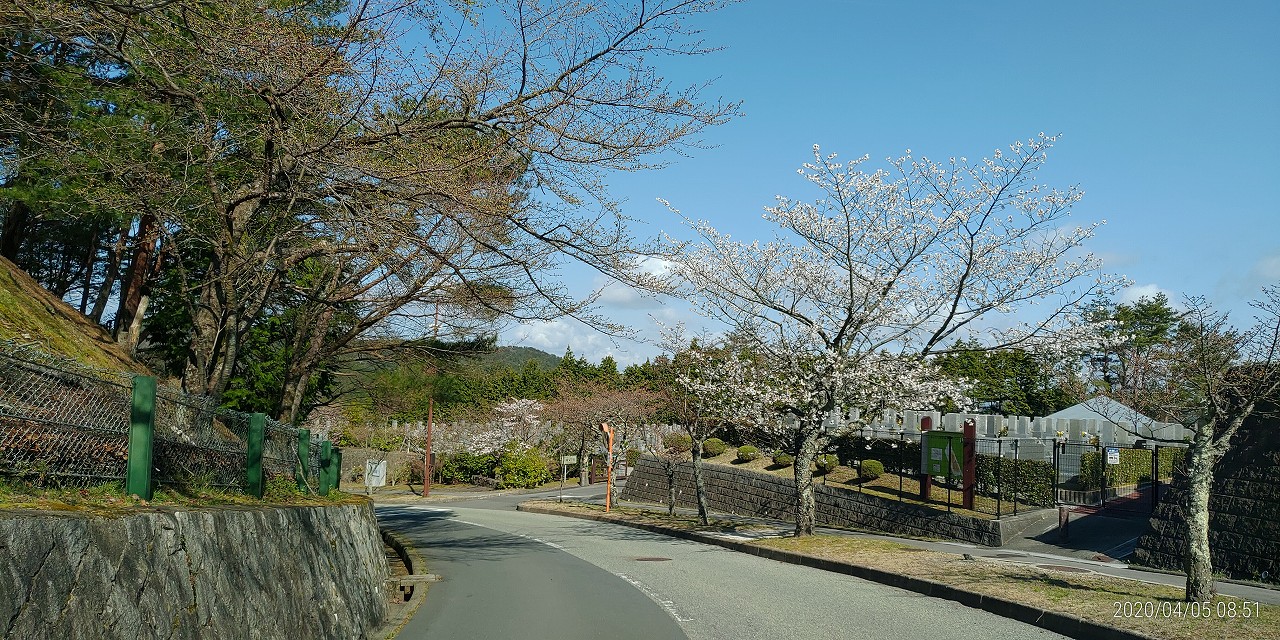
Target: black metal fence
<point x="1013" y="475"/>
<point x="1120" y="479"/>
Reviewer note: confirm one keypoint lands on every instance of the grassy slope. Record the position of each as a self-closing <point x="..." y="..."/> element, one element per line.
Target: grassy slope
<point x="31" y="315"/>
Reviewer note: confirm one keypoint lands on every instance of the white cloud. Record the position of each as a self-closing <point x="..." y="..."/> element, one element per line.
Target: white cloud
<point x="1135" y="292"/>
<point x="624" y="297"/>
<point x="1266" y="270"/>
<point x="557" y="335"/>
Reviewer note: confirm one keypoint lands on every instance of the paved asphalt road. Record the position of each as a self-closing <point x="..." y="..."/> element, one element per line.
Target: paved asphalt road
<point x="509" y="574"/>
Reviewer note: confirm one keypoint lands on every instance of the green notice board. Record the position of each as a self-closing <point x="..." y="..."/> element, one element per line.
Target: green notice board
<point x="940" y="455"/>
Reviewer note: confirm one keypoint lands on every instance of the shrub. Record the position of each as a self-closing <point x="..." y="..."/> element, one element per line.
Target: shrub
<point x="896" y="454"/>
<point x="525" y="469"/>
<point x="460" y="467"/>
<point x="870" y="469"/>
<point x="677" y="442"/>
<point x="826" y="463"/>
<point x="281" y="487"/>
<point x="783" y="459"/>
<point x="1027" y="480"/>
<point x="747" y="453"/>
<point x="633" y="456"/>
<point x="713" y="447"/>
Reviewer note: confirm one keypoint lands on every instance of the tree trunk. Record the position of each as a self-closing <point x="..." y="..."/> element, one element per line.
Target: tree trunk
<point x="135" y="281"/>
<point x="700" y="489"/>
<point x="1200" y="482"/>
<point x="90" y="260"/>
<point x="14" y="230"/>
<point x="306" y="354"/>
<point x="109" y="276"/>
<point x="670" y="467"/>
<point x="806" y="512"/>
<point x="584" y="465"/>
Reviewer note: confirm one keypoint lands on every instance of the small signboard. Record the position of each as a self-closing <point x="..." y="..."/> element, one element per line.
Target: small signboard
<point x="568" y="460"/>
<point x="1113" y="455"/>
<point x="375" y="473"/>
<point x="941" y="453"/>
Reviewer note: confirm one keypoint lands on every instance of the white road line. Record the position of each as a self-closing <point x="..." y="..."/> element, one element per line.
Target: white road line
<point x="667" y="605"/>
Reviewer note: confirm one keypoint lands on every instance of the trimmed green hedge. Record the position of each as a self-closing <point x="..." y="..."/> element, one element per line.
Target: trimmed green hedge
<point x="713" y="447"/>
<point x="826" y="463"/>
<point x="460" y="467"/>
<point x="677" y="442"/>
<point x="898" y="456"/>
<point x="521" y="468"/>
<point x="1134" y="467"/>
<point x="783" y="459"/>
<point x="870" y="469"/>
<point x="1030" y="481"/>
<point x="747" y="453"/>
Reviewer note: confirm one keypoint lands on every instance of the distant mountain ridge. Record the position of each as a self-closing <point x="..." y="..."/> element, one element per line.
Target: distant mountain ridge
<point x="515" y="357"/>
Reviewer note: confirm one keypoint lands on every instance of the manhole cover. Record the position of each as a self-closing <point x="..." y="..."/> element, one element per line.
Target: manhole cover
<point x="652" y="559"/>
<point x="1058" y="567"/>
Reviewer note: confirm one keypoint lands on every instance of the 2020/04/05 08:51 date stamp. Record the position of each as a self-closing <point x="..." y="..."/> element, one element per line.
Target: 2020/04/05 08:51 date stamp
<point x="1222" y="609"/>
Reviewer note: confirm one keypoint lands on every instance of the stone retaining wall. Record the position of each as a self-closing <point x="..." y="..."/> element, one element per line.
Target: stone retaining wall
<point x="752" y="493"/>
<point x="1244" y="510"/>
<point x="224" y="572"/>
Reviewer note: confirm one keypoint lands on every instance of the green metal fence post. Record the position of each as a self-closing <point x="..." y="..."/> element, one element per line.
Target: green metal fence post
<point x="141" y="438"/>
<point x="337" y="469"/>
<point x="325" y="471"/>
<point x="303" y="467"/>
<point x="253" y="455"/>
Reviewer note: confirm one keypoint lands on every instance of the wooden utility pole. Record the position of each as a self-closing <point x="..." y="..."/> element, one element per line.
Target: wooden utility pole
<point x="426" y="456"/>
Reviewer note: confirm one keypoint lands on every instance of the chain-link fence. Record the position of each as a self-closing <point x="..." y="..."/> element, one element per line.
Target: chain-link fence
<point x="62" y="424"/>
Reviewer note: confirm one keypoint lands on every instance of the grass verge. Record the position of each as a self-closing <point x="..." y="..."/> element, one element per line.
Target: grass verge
<point x="1153" y="610"/>
<point x="110" y="500"/>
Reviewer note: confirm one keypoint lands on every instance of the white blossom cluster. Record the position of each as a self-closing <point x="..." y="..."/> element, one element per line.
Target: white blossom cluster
<point x="844" y="307"/>
<point x="521" y="419"/>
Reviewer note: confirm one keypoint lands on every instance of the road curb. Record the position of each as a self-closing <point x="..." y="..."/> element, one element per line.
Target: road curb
<point x="1065" y="624"/>
<point x="399" y="616"/>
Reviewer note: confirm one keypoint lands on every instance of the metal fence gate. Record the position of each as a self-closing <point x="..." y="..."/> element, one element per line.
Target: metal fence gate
<point x="1119" y="480"/>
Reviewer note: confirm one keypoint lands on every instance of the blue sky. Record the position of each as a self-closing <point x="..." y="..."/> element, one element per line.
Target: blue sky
<point x="1169" y="115"/>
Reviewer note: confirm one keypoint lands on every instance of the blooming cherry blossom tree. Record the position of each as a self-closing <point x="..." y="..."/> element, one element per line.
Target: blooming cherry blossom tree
<point x="859" y="287"/>
<point x="521" y="419"/>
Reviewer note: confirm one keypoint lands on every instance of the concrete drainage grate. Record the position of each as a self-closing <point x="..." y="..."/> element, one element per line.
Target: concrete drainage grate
<point x="652" y="559"/>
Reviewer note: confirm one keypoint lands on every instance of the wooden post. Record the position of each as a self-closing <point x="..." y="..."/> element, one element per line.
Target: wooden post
<point x="253" y="455"/>
<point x="608" y="466"/>
<point x="926" y="481"/>
<point x="969" y="462"/>
<point x="142" y="422"/>
<point x="304" y="460"/>
<point x="324" y="482"/>
<point x="426" y="456"/>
